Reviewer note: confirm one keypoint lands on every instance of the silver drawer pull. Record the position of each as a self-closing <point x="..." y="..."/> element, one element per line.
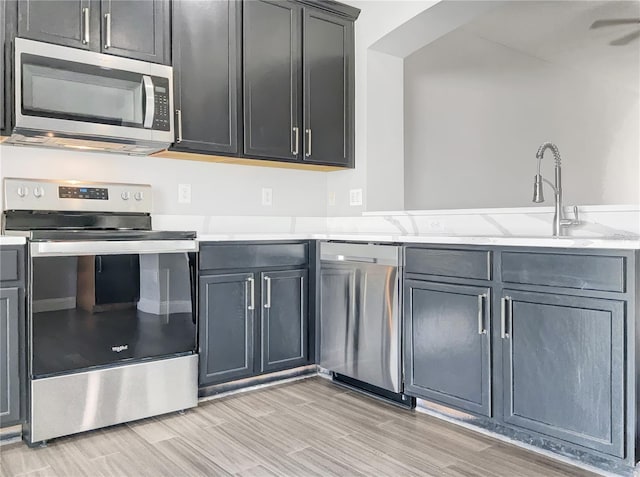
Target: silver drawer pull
<point x="107" y="25"/>
<point x="252" y="294"/>
<point x="267" y="302"/>
<point x="481" y="329"/>
<point x="87" y="34"/>
<point x="505" y="307"/>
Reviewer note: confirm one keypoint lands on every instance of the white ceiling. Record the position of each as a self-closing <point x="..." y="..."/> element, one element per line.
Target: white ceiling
<point x="558" y="32"/>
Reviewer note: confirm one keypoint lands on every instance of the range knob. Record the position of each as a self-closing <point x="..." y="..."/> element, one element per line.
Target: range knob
<point x="138" y="196"/>
<point x="125" y="195"/>
<point x="38" y="191"/>
<point x="23" y="191"/>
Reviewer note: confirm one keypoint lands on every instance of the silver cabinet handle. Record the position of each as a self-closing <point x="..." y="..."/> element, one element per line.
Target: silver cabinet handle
<point x="505" y="306"/>
<point x="179" y="118"/>
<point x="267" y="302"/>
<point x="481" y="329"/>
<point x="308" y="153"/>
<point x="296" y="140"/>
<point x="107" y="27"/>
<point x="252" y="294"/>
<point x="87" y="33"/>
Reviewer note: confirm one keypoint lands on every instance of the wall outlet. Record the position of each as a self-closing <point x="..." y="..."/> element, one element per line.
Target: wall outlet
<point x="267" y="196"/>
<point x="332" y="198"/>
<point x="355" y="197"/>
<point x="184" y="193"/>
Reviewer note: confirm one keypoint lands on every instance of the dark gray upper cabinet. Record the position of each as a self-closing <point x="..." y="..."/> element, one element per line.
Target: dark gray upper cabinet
<point x="272" y="44"/>
<point x="136" y="29"/>
<point x="130" y="28"/>
<point x="563" y="368"/>
<point x="207" y="77"/>
<point x="9" y="357"/>
<point x="226" y="327"/>
<point x="447" y="344"/>
<point x="284" y="319"/>
<point x="328" y="88"/>
<point x="63" y="22"/>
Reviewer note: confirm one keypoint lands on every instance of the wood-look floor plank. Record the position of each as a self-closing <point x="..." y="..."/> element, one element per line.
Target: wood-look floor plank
<point x="152" y="430"/>
<point x="190" y="459"/>
<point x="46" y="472"/>
<point x="309" y="427"/>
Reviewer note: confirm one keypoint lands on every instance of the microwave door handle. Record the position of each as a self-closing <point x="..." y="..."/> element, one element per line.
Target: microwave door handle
<point x="149" y="102"/>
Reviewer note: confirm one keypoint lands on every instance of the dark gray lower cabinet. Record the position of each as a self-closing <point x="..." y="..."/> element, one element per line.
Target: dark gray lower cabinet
<point x="564" y="368"/>
<point x="448" y="344"/>
<point x="284" y="319"/>
<point x="254" y="321"/>
<point x="9" y="357"/>
<point x="227" y="309"/>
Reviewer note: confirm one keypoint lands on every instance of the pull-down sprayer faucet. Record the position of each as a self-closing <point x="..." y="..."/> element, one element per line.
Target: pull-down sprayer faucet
<point x="559" y="220"/>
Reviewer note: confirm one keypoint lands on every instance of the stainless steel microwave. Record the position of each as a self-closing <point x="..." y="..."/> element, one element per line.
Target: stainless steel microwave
<point x="66" y="97"/>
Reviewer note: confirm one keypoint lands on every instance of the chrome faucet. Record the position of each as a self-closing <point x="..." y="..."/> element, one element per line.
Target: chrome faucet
<point x="559" y="221"/>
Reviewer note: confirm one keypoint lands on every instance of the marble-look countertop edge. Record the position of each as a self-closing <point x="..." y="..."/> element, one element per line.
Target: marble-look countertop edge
<point x="549" y="242"/>
<point x="12" y="240"/>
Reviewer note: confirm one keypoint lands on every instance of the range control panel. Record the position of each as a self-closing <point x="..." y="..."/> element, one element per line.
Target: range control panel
<point x="96" y="193"/>
<point x="41" y="194"/>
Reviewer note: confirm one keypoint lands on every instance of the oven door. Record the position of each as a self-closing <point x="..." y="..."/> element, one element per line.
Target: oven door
<point x="77" y="92"/>
<point x="96" y="304"/>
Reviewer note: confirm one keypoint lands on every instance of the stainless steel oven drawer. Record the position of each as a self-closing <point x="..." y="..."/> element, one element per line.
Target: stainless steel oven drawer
<point x="64" y="405"/>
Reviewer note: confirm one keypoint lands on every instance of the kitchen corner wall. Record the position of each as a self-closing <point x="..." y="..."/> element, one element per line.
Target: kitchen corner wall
<point x="216" y="189"/>
<point x="378" y="112"/>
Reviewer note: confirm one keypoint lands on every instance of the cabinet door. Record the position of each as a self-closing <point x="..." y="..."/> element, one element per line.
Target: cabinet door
<point x="9" y="356"/>
<point x="563" y="367"/>
<point x="227" y="305"/>
<point x="136" y="29"/>
<point x="284" y="324"/>
<point x="63" y="22"/>
<point x="272" y="81"/>
<point x="328" y="88"/>
<point x="206" y="75"/>
<point x="448" y="344"/>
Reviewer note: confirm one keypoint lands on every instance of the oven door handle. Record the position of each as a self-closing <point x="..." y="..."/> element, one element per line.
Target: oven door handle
<point x="56" y="249"/>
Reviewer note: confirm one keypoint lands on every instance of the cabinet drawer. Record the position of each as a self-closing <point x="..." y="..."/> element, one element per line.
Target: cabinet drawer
<point x="449" y="263"/>
<point x="243" y="256"/>
<point x="585" y="272"/>
<point x="8" y="265"/>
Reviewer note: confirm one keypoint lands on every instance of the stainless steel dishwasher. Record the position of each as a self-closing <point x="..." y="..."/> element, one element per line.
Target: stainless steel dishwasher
<point x="360" y="326"/>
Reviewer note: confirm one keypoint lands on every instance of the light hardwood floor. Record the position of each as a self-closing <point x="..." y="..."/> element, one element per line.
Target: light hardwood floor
<point x="304" y="428"/>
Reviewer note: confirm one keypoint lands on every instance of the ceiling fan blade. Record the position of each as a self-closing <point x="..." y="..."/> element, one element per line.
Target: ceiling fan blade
<point x="614" y="22"/>
<point x="626" y="39"/>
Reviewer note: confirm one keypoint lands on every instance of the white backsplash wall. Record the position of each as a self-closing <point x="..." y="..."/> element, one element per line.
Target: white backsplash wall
<point x="476" y="112"/>
<point x="216" y="189"/>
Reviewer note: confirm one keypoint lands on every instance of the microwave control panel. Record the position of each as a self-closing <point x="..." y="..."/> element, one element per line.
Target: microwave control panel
<point x="162" y="114"/>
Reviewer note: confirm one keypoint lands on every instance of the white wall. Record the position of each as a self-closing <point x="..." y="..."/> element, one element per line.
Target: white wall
<point x="217" y="189"/>
<point x="377" y="19"/>
<point x="476" y="112"/>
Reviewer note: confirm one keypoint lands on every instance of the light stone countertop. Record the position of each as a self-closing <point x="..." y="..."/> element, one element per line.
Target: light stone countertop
<point x="12" y="240"/>
<point x="516" y="241"/>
